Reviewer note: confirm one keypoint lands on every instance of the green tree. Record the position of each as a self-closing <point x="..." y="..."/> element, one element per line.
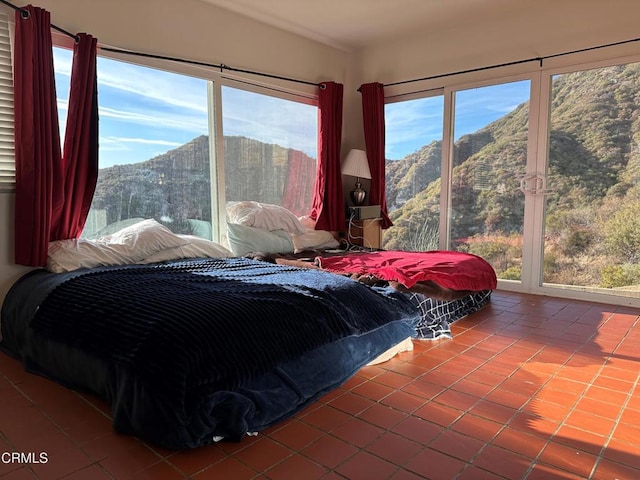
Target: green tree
<point x="622" y="233"/>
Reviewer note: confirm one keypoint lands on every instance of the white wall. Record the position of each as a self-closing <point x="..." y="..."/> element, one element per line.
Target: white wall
<point x="198" y="31"/>
<point x="531" y="28"/>
<point x="528" y="29"/>
<point x="9" y="271"/>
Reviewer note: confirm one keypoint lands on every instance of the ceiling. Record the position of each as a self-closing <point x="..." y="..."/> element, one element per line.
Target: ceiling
<point x="352" y="24"/>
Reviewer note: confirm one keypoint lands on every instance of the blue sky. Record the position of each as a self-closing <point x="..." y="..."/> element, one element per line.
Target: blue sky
<point x="145" y="112"/>
<point x="415" y="123"/>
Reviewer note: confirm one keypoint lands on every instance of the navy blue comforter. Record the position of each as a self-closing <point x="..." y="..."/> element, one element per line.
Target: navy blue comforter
<point x="189" y="351"/>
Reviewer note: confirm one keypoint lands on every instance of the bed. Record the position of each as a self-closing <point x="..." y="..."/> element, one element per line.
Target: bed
<point x="191" y="344"/>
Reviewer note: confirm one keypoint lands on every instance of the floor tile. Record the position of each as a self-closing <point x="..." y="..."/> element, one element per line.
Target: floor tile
<point x="394" y="448"/>
<point x="457" y="445"/>
<point x="567" y="458"/>
<point x="329" y="451"/>
<point x="296" y="435"/>
<point x="364" y="465"/>
<point x="431" y="463"/>
<point x="296" y="466"/>
<point x="502" y="462"/>
<point x="263" y="454"/>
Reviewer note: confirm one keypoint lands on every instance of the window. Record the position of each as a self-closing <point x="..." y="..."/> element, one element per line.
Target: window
<point x="156" y="154"/>
<point x="537" y="173"/>
<point x="592" y="236"/>
<point x="489" y="154"/>
<point x="270" y="149"/>
<point x="490" y="132"/>
<point x="153" y="147"/>
<point x="7" y="155"/>
<point x="413" y="161"/>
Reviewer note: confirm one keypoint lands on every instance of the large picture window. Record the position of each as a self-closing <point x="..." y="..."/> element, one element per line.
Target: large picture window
<point x="489" y="156"/>
<point x="537" y="174"/>
<point x="156" y="155"/>
<point x="592" y="236"/>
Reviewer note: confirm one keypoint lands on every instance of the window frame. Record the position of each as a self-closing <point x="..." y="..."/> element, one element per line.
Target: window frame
<point x="540" y="75"/>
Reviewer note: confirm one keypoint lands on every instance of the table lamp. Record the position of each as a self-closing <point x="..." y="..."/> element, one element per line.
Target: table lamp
<point x="357" y="165"/>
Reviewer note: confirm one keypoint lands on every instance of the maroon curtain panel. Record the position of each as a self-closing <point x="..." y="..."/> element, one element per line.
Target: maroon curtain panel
<point x="328" y="200"/>
<point x="295" y="197"/>
<point x="80" y="154"/>
<point x="374" y="139"/>
<point x="37" y="136"/>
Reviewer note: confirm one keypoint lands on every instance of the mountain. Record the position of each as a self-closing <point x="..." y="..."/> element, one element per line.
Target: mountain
<point x="175" y="186"/>
<point x="595" y="124"/>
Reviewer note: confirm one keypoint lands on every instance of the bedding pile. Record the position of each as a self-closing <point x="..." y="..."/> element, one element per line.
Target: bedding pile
<point x="190" y="351"/>
<point x="256" y="314"/>
<point x="448" y="269"/>
<point x="438" y="315"/>
<point x="468" y="280"/>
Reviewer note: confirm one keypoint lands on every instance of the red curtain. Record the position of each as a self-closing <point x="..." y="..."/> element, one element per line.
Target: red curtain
<point x="80" y="155"/>
<point x="53" y="192"/>
<point x="374" y="139"/>
<point x="328" y="200"/>
<point x="297" y="194"/>
<point x="37" y="136"/>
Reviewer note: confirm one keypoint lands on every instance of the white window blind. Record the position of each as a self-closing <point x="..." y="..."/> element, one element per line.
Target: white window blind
<point x="7" y="151"/>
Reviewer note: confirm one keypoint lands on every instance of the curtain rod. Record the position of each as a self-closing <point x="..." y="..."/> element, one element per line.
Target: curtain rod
<point x="25" y="14"/>
<point x="220" y="66"/>
<point x="508" y="64"/>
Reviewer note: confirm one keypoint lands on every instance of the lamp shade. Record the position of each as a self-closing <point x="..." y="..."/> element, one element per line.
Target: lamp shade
<point x="356" y="164"/>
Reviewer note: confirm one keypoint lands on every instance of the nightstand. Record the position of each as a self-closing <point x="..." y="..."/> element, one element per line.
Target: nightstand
<point x="366" y="232"/>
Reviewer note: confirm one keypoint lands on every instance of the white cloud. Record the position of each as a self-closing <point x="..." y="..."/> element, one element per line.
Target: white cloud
<point x="155" y="118"/>
<point x="167" y="88"/>
<point x="270" y="120"/>
<point x="412" y="124"/>
<point x="138" y="104"/>
<point x="165" y="92"/>
<point x="145" y="141"/>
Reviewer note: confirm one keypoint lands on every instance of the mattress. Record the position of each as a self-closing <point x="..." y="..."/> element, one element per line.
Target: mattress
<point x="190" y="352"/>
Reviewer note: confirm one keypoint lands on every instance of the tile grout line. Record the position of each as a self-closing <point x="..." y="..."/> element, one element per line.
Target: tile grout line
<point x="605" y="445"/>
<point x="531" y="399"/>
<point x="580" y="397"/>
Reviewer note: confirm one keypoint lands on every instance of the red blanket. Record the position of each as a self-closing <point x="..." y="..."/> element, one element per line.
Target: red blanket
<point x="449" y="269"/>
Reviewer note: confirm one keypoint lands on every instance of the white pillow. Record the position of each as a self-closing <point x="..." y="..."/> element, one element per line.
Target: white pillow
<point x="307" y="222"/>
<point x="129" y="245"/>
<point x="74" y="253"/>
<point x="111" y="228"/>
<point x="244" y="240"/>
<point x="196" y="247"/>
<point x="144" y="238"/>
<point x="314" y="239"/>
<point x="264" y="215"/>
<point x="201" y="228"/>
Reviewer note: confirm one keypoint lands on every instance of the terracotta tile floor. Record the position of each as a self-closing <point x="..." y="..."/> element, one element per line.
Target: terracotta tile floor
<point x="530" y="387"/>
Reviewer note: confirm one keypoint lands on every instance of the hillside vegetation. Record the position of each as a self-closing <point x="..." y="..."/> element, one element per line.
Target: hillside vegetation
<point x="175" y="187"/>
<point x="591" y="236"/>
